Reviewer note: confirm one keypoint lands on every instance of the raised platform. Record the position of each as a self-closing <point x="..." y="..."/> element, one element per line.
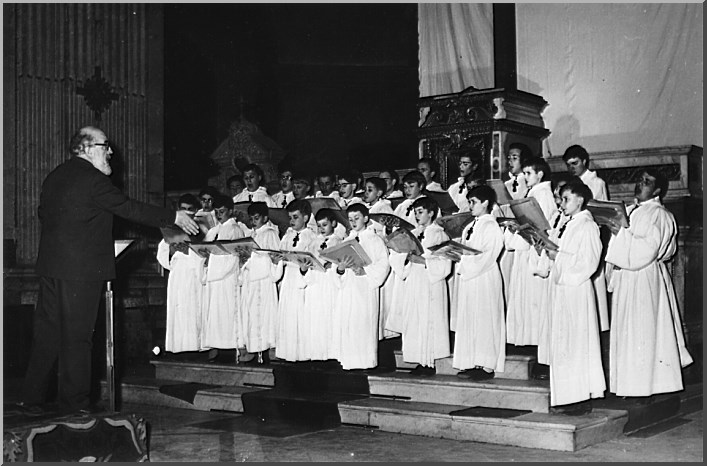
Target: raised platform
<point x="505" y="411"/>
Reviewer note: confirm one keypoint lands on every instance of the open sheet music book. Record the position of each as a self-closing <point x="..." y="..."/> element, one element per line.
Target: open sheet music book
<point x="534" y="235"/>
<point x="206" y="220"/>
<point x="173" y="234"/>
<point x="528" y="211"/>
<point x="444" y="201"/>
<point x="396" y="201"/>
<point x="453" y="250"/>
<point x="240" y="212"/>
<point x="454" y="224"/>
<point x="404" y="242"/>
<point x="391" y="221"/>
<point x="351" y="248"/>
<point x="242" y="248"/>
<point x="503" y="197"/>
<point x="603" y="211"/>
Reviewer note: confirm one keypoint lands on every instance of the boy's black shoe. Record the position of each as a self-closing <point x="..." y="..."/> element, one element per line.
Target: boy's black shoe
<point x="574" y="409"/>
<point x="423" y="371"/>
<point x="478" y="374"/>
<point x="465" y="374"/>
<point x="541" y="372"/>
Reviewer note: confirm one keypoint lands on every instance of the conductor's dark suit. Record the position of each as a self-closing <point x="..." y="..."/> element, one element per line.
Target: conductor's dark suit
<point x="76" y="255"/>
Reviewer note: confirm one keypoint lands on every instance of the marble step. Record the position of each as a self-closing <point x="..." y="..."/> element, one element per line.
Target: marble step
<point x="518" y="367"/>
<point x="214" y="373"/>
<point x="145" y="390"/>
<point x="529" y="395"/>
<point x="531" y="430"/>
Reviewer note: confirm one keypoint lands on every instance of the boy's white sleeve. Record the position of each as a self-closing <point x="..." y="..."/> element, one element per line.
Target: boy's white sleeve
<point x="163" y="255"/>
<point x="397" y="264"/>
<point x="438" y="268"/>
<point x="379" y="268"/>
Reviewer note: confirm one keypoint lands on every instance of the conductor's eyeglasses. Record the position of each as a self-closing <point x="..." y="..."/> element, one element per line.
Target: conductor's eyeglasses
<point x="102" y="144"/>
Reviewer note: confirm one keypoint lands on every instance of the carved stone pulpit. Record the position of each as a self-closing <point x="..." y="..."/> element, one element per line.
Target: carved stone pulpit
<point x="245" y="144"/>
<point x="481" y="122"/>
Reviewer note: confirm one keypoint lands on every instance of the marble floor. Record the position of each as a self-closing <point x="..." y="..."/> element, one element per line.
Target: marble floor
<point x="186" y="435"/>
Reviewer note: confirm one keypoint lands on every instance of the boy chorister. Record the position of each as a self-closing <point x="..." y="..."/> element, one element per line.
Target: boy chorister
<point x="467" y="164"/>
<point x="321" y="293"/>
<point x="184" y="289"/>
<point x="293" y="317"/>
<point x="348" y="184"/>
<point x="254" y="192"/>
<point x="413" y="184"/>
<point x="480" y="330"/>
<point x="429" y="169"/>
<point x="221" y="328"/>
<point x="285" y="195"/>
<point x="359" y="298"/>
<point x="326" y="182"/>
<point x="392" y="182"/>
<point x="425" y="326"/>
<point x="576" y="373"/>
<point x="524" y="313"/>
<point x="373" y="197"/>
<point x="258" y="288"/>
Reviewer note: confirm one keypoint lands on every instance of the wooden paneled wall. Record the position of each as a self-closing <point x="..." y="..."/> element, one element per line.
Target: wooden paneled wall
<point x="50" y="51"/>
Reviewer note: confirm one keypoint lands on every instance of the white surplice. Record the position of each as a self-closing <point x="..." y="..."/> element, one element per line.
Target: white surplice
<point x="480" y="328"/>
<point x="359" y="305"/>
<point x="425" y="326"/>
<point x="259" y="195"/>
<point x="647" y="349"/>
<point x="184" y="298"/>
<point x="576" y="372"/>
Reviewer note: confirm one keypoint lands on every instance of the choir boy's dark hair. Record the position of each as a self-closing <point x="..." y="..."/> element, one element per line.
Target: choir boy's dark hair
<point x="357" y="207"/>
<point x="539" y="164"/>
<point x="258" y="208"/>
<point x="379" y="183"/>
<point x="525" y="152"/>
<point x="304" y="207"/>
<point x="432" y="163"/>
<point x="415" y="177"/>
<point x="325" y="213"/>
<point x="189" y="198"/>
<point x="483" y="193"/>
<point x="580" y="189"/>
<point x="251" y="167"/>
<point x="210" y="190"/>
<point x="427" y="203"/>
<point x="393" y="175"/>
<point x="576" y="151"/>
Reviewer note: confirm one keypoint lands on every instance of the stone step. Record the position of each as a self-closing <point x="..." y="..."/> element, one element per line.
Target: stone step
<point x="529" y="395"/>
<point x="532" y="430"/>
<point x="518" y="366"/>
<point x="214" y="373"/>
<point x="146" y="390"/>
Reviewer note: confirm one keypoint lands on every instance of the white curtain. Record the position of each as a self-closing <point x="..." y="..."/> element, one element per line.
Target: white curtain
<point x="616" y="75"/>
<point x="456" y="47"/>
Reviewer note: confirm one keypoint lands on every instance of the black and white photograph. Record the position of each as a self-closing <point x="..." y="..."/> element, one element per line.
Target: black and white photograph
<point x="556" y="146"/>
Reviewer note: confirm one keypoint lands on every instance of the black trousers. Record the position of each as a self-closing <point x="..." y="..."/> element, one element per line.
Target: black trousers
<point x="63" y="332"/>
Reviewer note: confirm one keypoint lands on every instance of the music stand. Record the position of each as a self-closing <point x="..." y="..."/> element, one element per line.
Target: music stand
<point x="120" y="246"/>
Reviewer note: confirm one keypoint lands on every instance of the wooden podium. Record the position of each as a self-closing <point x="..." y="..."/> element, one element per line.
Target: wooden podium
<point x="480" y="121"/>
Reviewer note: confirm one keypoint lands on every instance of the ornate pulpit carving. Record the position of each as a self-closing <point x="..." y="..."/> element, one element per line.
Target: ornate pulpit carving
<point x="245" y="144"/>
<point x="483" y="122"/>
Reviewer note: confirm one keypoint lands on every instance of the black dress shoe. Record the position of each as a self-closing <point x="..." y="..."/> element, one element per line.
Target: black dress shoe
<point x="423" y="371"/>
<point x="574" y="409"/>
<point x="480" y="374"/>
<point x="541" y="372"/>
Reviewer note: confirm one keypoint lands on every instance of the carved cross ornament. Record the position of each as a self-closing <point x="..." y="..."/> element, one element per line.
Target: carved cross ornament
<point x="97" y="93"/>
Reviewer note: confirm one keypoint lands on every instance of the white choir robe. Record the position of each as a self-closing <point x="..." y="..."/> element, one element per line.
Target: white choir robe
<point x="184" y="298"/>
<point x="320" y="299"/>
<point x="405" y="210"/>
<point x="457" y="192"/>
<point x="340" y="230"/>
<point x="259" y="293"/>
<point x="647" y="345"/>
<point x="333" y="195"/>
<point x="344" y="203"/>
<point x="525" y="289"/>
<point x="259" y="195"/>
<point x="382" y="206"/>
<point x="281" y="199"/>
<point x="480" y="329"/>
<point x="222" y="326"/>
<point x="576" y="372"/>
<point x="395" y="194"/>
<point x="596" y="185"/>
<point x="425" y="327"/>
<point x="293" y="317"/>
<point x="434" y="187"/>
<point x="359" y="305"/>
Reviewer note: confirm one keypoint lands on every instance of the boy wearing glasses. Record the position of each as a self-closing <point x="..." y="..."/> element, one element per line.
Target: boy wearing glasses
<point x="285" y="195"/>
<point x="348" y="183"/>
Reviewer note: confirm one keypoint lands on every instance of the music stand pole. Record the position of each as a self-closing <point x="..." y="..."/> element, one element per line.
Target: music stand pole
<point x="110" y="364"/>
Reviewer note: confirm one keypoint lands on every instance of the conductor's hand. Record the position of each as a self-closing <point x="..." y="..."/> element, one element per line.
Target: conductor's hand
<point x="186" y="223"/>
